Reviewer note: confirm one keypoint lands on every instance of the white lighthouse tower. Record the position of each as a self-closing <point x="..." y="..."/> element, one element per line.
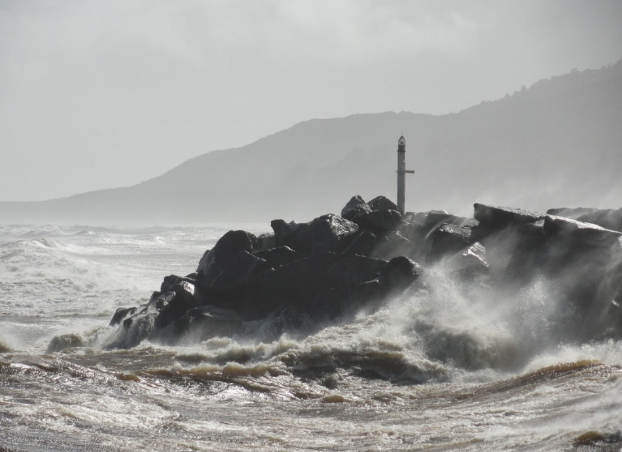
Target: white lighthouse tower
<point x="401" y="174"/>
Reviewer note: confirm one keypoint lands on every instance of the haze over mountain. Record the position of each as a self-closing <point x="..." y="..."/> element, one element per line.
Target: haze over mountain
<point x="557" y="143"/>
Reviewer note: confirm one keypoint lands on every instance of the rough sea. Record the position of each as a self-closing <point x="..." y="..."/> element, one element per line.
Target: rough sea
<point x="445" y="367"/>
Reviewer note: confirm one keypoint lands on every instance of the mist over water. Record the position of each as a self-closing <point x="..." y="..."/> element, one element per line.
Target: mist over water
<point x="450" y="365"/>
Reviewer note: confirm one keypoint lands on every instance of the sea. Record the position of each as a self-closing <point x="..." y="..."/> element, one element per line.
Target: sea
<point x="446" y="366"/>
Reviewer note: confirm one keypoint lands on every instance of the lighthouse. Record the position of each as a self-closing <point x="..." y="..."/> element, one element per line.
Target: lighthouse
<point x="401" y="174"/>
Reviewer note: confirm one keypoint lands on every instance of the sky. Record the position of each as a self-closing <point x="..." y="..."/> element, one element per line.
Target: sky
<point x="100" y="94"/>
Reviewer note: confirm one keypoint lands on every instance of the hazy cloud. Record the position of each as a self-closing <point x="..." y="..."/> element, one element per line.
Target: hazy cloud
<point x="107" y="93"/>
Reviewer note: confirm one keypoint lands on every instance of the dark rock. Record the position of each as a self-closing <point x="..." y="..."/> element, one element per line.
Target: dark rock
<point x="239" y="271"/>
<point x="469" y="263"/>
<point x="382" y="203"/>
<point x="205" y="322"/>
<point x="418" y="246"/>
<point x="355" y="269"/>
<point x="160" y="301"/>
<point x="501" y="217"/>
<point x="436" y="218"/>
<point x="294" y="235"/>
<point x="172" y="280"/>
<point x="265" y="242"/>
<point x="571" y="247"/>
<point x="400" y="272"/>
<point x="293" y="286"/>
<point x="120" y="314"/>
<point x="326" y="233"/>
<point x="363" y="243"/>
<point x="342" y="299"/>
<point x="606" y="218"/>
<point x="228" y="246"/>
<point x="173" y="308"/>
<point x="391" y="245"/>
<point x="418" y="218"/>
<point x="277" y="257"/>
<point x="535" y="230"/>
<point x="379" y="221"/>
<point x="355" y="207"/>
<point x="526" y="251"/>
<point x="585" y="261"/>
<point x="204" y="263"/>
<point x="213" y="271"/>
<point x="141" y="325"/>
<point x="578" y="233"/>
<point x="448" y="240"/>
<point x="329" y="231"/>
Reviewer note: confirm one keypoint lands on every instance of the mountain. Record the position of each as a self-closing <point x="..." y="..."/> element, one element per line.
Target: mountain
<point x="557" y="143"/>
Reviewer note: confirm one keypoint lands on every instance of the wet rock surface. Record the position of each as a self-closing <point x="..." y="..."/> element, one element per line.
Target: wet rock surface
<point x="501" y="217"/>
<point x="606" y="218"/>
<point x="335" y="265"/>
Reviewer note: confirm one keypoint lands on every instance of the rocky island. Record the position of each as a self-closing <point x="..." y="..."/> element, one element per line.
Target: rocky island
<point x="336" y="265"/>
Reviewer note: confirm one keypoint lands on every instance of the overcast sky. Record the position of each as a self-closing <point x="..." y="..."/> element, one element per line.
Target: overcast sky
<point x="99" y="94"/>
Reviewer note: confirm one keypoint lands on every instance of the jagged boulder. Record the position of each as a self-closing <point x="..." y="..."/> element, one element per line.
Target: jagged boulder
<point x="575" y="245"/>
<point x="418" y="246"/>
<point x="363" y="244"/>
<point x="206" y="322"/>
<point x="293" y="286"/>
<point x="355" y="269"/>
<point x="171" y="308"/>
<point x="436" y="218"/>
<point x="239" y="271"/>
<point x="121" y="314"/>
<point x="204" y="263"/>
<point x="170" y="281"/>
<point x="502" y="217"/>
<point x="580" y="234"/>
<point x="469" y="263"/>
<point x="391" y="245"/>
<point x="279" y="256"/>
<point x="142" y="324"/>
<point x="379" y="221"/>
<point x="399" y="273"/>
<point x="335" y="265"/>
<point x="382" y="203"/>
<point x="524" y="245"/>
<point x="265" y="241"/>
<point x="585" y="262"/>
<point x="342" y="299"/>
<point x="228" y="246"/>
<point x="331" y="233"/>
<point x="418" y="218"/>
<point x="606" y="218"/>
<point x="355" y="207"/>
<point x="449" y="239"/>
<point x="326" y="233"/>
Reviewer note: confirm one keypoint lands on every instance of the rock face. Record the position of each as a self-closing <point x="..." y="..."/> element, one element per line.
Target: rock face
<point x="501" y="217"/>
<point x="382" y="203"/>
<point x="606" y="218"/>
<point x="355" y="207"/>
<point x="586" y="260"/>
<point x="335" y="265"/>
<point x="450" y="239"/>
<point x="326" y="233"/>
<point x="225" y="249"/>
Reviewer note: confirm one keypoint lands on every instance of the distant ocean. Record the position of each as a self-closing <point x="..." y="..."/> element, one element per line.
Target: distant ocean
<point x="443" y="368"/>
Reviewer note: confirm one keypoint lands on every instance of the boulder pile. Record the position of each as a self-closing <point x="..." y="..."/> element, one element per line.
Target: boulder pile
<point x="335" y="265"/>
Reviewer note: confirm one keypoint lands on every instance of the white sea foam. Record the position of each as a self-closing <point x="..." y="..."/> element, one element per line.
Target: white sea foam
<point x="274" y="384"/>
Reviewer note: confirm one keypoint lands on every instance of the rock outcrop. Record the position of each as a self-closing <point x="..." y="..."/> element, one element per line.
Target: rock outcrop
<point x="335" y="265"/>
